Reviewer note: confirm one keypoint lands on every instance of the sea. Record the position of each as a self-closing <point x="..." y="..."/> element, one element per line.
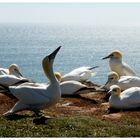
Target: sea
<point x="27" y="44"/>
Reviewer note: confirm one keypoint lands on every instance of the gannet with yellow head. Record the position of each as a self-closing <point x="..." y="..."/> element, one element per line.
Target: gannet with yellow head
<point x="12" y="70"/>
<point x="127" y="99"/>
<point x="124" y="82"/>
<point x="35" y="98"/>
<point x="72" y="87"/>
<point x="12" y="76"/>
<point x="116" y="64"/>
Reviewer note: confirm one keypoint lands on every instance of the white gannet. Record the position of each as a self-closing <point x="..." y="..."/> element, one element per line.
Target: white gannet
<point x="124" y="82"/>
<point x="80" y="74"/>
<point x="73" y="87"/>
<point x="13" y="76"/>
<point x="116" y="64"/>
<point x="12" y="70"/>
<point x="127" y="99"/>
<point x="35" y="98"/>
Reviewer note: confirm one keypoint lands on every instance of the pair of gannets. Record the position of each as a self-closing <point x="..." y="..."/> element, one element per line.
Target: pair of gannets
<point x="116" y="64"/>
<point x="124" y="82"/>
<point x="35" y="98"/>
<point x="79" y="74"/>
<point x="127" y="99"/>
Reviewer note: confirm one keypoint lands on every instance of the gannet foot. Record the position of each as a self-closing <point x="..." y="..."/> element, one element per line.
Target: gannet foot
<point x="8" y="113"/>
<point x="41" y="120"/>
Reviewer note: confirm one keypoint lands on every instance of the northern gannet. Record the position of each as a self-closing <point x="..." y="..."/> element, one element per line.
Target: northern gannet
<point x="124" y="82"/>
<point x="116" y="64"/>
<point x="127" y="99"/>
<point x="80" y="74"/>
<point x="35" y="98"/>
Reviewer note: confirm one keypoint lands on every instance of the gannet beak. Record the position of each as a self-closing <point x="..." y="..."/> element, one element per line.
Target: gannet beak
<point x="109" y="92"/>
<point x="19" y="73"/>
<point x="107" y="82"/>
<point x="53" y="54"/>
<point x="107" y="57"/>
<point x="93" y="67"/>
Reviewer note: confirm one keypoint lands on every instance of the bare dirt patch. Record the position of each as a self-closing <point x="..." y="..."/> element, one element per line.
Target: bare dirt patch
<point x="90" y="104"/>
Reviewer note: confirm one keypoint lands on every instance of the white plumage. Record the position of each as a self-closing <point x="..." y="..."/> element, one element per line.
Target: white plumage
<point x="116" y="64"/>
<point x="80" y="74"/>
<point x="124" y="82"/>
<point x="12" y="70"/>
<point x="35" y="98"/>
<point x="127" y="99"/>
<point x="72" y="87"/>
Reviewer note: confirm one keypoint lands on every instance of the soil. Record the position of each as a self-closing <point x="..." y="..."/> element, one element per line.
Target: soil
<point x="91" y="104"/>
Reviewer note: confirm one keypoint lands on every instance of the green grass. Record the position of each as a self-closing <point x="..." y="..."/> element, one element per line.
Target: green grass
<point x="68" y="127"/>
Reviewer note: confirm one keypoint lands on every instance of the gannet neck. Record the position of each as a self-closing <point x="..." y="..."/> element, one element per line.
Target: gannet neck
<point x="47" y="64"/>
<point x="48" y="70"/>
<point x="58" y="76"/>
<point x="114" y="100"/>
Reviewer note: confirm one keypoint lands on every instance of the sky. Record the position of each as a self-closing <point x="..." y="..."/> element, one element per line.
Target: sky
<point x="71" y="13"/>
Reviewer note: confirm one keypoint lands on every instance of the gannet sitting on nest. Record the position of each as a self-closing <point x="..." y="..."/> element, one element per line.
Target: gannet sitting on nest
<point x="80" y="74"/>
<point x="127" y="99"/>
<point x="124" y="82"/>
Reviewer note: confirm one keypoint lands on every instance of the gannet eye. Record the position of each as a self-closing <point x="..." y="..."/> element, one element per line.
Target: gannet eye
<point x="114" y="90"/>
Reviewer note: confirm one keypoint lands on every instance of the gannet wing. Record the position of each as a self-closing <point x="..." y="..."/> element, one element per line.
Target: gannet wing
<point x="128" y="70"/>
<point x="30" y="94"/>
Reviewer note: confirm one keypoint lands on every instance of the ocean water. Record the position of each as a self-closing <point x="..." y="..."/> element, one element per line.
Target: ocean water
<point x="27" y="44"/>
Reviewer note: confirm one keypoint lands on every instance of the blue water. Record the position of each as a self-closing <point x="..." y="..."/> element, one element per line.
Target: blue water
<point x="27" y="44"/>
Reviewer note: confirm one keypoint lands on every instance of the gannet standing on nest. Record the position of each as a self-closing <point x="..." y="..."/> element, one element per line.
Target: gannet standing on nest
<point x="116" y="64"/>
<point x="35" y="98"/>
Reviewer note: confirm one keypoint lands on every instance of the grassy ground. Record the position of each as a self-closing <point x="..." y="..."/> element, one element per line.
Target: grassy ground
<point x="23" y="126"/>
<point x="84" y="116"/>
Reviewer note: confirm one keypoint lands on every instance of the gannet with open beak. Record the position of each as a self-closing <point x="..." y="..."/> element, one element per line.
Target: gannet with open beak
<point x="116" y="64"/>
<point x="124" y="82"/>
<point x="73" y="87"/>
<point x="80" y="74"/>
<point x="35" y="98"/>
<point x="127" y="99"/>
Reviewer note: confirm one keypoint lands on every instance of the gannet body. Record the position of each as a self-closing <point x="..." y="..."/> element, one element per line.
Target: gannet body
<point x="117" y="65"/>
<point x="127" y="99"/>
<point x="35" y="98"/>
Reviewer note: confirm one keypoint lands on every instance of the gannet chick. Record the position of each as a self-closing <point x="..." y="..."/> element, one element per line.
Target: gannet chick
<point x="127" y="99"/>
<point x="80" y="74"/>
<point x="124" y="82"/>
<point x="36" y="98"/>
<point x="117" y="65"/>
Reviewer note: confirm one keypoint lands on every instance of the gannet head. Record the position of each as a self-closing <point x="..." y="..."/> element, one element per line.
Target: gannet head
<point x="47" y="62"/>
<point x="58" y="76"/>
<point x="112" y="77"/>
<point x="115" y="90"/>
<point x="115" y="54"/>
<point x="14" y="69"/>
